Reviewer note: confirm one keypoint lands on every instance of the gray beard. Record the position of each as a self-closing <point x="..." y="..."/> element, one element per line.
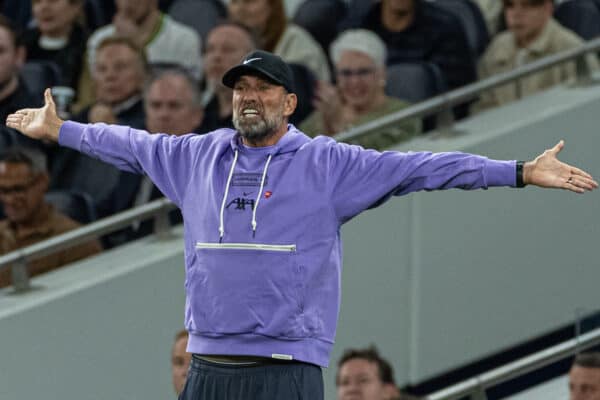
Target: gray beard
<point x="260" y="130"/>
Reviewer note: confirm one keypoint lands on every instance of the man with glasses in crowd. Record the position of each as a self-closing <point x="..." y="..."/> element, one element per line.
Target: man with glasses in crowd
<point x="29" y="218"/>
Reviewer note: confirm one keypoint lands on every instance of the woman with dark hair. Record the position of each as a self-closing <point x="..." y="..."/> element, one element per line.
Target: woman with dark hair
<point x="267" y="19"/>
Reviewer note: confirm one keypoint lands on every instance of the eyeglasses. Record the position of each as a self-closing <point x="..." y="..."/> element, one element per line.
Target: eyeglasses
<point x="18" y="189"/>
<point x="359" y="72"/>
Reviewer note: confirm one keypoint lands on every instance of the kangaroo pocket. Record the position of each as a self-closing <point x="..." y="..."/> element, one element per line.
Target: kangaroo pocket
<point x="243" y="288"/>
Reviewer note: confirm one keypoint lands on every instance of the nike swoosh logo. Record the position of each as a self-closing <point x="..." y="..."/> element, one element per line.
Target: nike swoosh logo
<point x="247" y="194"/>
<point x="251" y="59"/>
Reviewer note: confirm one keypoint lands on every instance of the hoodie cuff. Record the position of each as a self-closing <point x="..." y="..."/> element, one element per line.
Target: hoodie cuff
<point x="70" y="134"/>
<point x="501" y="173"/>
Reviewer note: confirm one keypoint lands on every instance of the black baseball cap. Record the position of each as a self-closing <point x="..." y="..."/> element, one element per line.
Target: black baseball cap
<point x="264" y="64"/>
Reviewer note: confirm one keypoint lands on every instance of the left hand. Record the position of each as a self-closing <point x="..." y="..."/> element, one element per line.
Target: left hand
<point x="548" y="172"/>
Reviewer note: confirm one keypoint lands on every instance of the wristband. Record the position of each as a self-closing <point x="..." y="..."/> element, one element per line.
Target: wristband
<point x="519" y="172"/>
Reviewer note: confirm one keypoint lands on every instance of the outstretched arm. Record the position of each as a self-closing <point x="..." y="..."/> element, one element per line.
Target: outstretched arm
<point x="37" y="123"/>
<point x="548" y="172"/>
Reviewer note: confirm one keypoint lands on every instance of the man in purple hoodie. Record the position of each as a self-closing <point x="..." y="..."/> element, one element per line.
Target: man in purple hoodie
<point x="263" y="206"/>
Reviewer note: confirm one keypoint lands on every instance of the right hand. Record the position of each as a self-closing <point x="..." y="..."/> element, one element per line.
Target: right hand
<point x="37" y="123"/>
<point x="329" y="103"/>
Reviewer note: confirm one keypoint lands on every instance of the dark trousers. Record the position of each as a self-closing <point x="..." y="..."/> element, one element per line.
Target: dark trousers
<point x="265" y="381"/>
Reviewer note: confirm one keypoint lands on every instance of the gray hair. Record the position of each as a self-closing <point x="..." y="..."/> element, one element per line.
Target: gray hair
<point x="361" y="40"/>
<point x="163" y="71"/>
<point x="34" y="158"/>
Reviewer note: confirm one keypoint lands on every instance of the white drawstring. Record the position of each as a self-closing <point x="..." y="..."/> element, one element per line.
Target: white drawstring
<point x="221" y="223"/>
<point x="262" y="185"/>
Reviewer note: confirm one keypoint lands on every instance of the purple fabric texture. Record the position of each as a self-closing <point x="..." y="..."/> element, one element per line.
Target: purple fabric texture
<point x="271" y="288"/>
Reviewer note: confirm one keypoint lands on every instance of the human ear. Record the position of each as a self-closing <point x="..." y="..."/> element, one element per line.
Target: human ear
<point x="291" y="101"/>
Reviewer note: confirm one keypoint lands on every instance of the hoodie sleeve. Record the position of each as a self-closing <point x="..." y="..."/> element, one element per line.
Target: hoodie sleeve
<point x="364" y="179"/>
<point x="166" y="159"/>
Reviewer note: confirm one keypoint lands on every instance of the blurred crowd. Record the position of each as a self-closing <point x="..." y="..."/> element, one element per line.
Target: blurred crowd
<point x="157" y="65"/>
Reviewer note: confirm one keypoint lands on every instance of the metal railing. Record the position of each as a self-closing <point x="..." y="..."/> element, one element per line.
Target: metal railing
<point x="442" y="105"/>
<point x="18" y="259"/>
<point x="475" y="387"/>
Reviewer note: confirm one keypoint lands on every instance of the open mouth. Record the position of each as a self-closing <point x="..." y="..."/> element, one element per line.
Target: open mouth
<point x="250" y="112"/>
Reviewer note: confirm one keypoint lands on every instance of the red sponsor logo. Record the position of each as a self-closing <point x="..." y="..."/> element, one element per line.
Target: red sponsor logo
<point x="268" y="194"/>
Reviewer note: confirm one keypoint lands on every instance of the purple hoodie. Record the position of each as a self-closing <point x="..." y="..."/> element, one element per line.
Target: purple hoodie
<point x="262" y="225"/>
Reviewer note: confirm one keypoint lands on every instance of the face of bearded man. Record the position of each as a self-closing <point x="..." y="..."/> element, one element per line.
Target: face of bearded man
<point x="258" y="108"/>
<point x="256" y="128"/>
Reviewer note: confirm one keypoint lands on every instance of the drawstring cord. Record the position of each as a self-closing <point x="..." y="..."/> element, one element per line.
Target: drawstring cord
<point x="262" y="185"/>
<point x="221" y="223"/>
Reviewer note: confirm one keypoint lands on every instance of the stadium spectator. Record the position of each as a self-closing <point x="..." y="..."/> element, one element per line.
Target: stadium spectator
<point x="226" y="45"/>
<point x="584" y="377"/>
<point x="180" y="361"/>
<point x="492" y="12"/>
<point x="57" y="37"/>
<point x="119" y="75"/>
<point x="119" y="72"/>
<point x="29" y="219"/>
<point x="163" y="39"/>
<point x="359" y="59"/>
<point x="267" y="19"/>
<point x="532" y="34"/>
<point x="421" y="31"/>
<point x="364" y="375"/>
<point x="172" y="103"/>
<point x="14" y="93"/>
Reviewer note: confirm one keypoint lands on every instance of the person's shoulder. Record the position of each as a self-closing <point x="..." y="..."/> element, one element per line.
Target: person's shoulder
<point x="178" y="28"/>
<point x="393" y="104"/>
<point x="60" y="223"/>
<point x="563" y="38"/>
<point x="296" y="36"/>
<point x="296" y="30"/>
<point x="218" y="137"/>
<point x="500" y="48"/>
<point x="319" y="143"/>
<point x="312" y="124"/>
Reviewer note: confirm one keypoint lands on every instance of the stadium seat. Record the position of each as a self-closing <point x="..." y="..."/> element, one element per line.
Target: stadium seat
<point x="356" y="12"/>
<point x="304" y="85"/>
<point x="98" y="13"/>
<point x="76" y="205"/>
<point x="321" y="18"/>
<point x="39" y="75"/>
<point x="71" y="170"/>
<point x="580" y="16"/>
<point x="18" y="11"/>
<point x="472" y="20"/>
<point x="414" y="82"/>
<point x="201" y="15"/>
